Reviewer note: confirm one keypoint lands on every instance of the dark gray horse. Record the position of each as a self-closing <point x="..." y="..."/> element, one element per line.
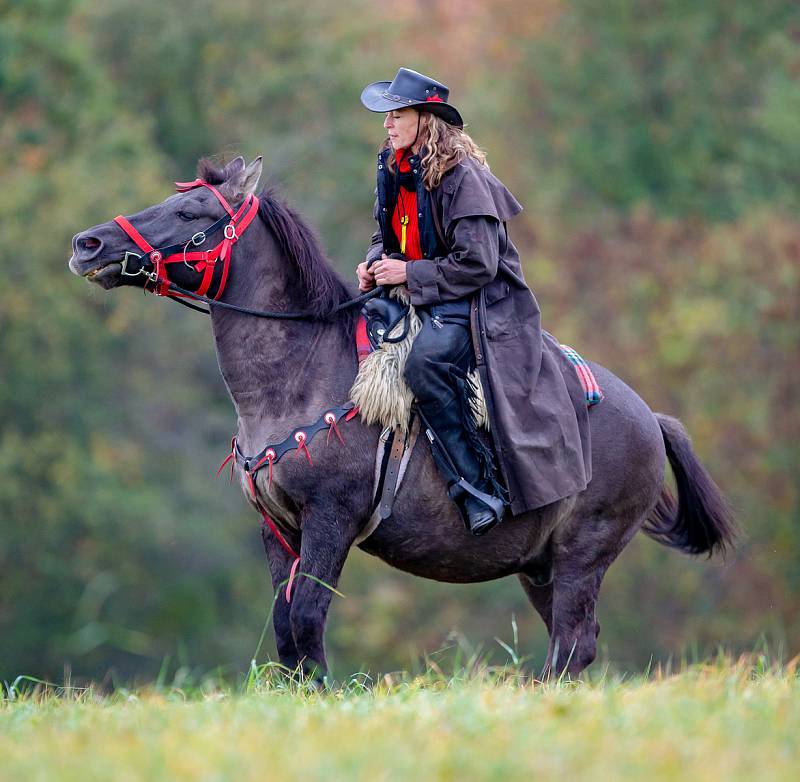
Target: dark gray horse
<point x="283" y="374"/>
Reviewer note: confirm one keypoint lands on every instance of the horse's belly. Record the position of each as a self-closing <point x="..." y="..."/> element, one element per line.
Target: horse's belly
<point x="425" y="537"/>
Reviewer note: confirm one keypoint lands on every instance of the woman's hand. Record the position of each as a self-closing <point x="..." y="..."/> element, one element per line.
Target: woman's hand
<point x="366" y="279"/>
<point x="389" y="271"/>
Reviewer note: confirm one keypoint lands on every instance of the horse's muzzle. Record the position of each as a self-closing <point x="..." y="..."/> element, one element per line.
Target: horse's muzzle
<point x="87" y="249"/>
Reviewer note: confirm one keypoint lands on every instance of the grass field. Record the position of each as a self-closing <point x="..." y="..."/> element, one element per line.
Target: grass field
<point x="721" y="721"/>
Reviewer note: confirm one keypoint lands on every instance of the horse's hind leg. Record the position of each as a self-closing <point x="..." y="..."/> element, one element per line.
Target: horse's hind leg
<point x="580" y="559"/>
<point x="537" y="581"/>
<point x="573" y="637"/>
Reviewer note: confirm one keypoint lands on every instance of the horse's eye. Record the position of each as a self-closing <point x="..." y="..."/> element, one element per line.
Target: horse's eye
<point x="187" y="216"/>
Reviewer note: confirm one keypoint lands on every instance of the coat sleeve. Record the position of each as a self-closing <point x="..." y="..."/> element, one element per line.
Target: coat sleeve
<point x="375" y="249"/>
<point x="470" y="264"/>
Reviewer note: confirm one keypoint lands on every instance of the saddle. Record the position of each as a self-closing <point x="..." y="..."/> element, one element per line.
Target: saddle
<point x="384" y="313"/>
<point x="384" y="337"/>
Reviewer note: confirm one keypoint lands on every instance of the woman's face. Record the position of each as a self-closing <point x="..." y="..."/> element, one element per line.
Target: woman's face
<point x="401" y="125"/>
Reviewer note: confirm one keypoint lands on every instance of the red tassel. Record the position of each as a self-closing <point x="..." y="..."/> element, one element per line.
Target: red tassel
<point x="182" y="187"/>
<point x="300" y="437"/>
<point x="228" y="458"/>
<point x="269" y="456"/>
<point x="292" y="574"/>
<point x="330" y="418"/>
<point x="222" y="466"/>
<point x="277" y="533"/>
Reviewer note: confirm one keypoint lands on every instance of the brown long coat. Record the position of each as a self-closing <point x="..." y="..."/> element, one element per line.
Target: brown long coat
<point x="538" y="414"/>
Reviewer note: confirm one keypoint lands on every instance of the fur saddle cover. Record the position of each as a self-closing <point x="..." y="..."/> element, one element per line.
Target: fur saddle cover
<point x="380" y="390"/>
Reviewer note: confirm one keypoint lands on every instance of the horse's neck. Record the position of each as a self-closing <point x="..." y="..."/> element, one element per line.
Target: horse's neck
<point x="280" y="374"/>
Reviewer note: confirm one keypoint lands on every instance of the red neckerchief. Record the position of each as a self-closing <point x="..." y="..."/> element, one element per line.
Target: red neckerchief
<point x="406" y="208"/>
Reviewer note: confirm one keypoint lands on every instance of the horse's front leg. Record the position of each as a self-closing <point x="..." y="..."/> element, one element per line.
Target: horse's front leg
<point x="328" y="534"/>
<point x="280" y="564"/>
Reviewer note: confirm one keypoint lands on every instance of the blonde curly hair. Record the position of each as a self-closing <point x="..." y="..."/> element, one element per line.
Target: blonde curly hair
<point x="444" y="147"/>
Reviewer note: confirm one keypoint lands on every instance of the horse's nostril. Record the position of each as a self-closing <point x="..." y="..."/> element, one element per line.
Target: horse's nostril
<point x="89" y="243"/>
<point x="88" y="247"/>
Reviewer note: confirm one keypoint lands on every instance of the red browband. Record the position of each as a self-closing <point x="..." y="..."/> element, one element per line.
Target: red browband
<point x="204" y="261"/>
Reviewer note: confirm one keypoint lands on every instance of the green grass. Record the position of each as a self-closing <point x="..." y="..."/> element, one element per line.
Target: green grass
<point x="719" y="721"/>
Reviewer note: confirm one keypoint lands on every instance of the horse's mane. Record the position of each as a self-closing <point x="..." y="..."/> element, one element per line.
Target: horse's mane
<point x="300" y="244"/>
<point x="209" y="171"/>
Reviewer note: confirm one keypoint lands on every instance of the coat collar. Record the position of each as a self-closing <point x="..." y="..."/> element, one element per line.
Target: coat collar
<point x="413" y="160"/>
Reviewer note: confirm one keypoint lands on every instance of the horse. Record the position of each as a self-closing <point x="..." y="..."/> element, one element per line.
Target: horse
<point x="283" y="372"/>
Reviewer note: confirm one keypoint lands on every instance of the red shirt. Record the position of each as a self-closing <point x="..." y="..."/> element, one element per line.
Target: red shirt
<point x="406" y="208"/>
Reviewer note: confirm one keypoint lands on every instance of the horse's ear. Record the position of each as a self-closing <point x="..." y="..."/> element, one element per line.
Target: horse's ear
<point x="234" y="168"/>
<point x="247" y="180"/>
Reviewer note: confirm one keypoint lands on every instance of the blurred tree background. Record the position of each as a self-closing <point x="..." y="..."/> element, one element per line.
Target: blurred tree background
<point x="654" y="145"/>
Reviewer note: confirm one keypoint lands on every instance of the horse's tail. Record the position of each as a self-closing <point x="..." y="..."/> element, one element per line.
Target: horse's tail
<point x="701" y="521"/>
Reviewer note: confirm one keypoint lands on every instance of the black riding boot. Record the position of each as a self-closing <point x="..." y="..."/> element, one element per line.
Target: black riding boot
<point x="466" y="469"/>
<point x="436" y="373"/>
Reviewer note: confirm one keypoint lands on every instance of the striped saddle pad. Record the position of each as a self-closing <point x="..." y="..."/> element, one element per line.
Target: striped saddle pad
<point x="593" y="392"/>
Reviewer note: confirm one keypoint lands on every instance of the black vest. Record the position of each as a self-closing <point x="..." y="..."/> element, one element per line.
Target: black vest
<point x="387" y="202"/>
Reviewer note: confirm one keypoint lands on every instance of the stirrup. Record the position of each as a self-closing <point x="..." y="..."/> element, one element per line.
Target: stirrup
<point x="496" y="506"/>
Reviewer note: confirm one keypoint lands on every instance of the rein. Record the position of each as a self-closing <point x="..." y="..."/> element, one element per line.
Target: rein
<point x="153" y="263"/>
<point x="267" y="313"/>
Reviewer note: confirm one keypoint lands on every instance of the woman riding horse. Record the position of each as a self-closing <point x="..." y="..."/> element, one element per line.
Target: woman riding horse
<point x="442" y="232"/>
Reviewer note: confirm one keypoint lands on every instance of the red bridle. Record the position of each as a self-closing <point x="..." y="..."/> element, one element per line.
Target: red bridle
<point x="204" y="262"/>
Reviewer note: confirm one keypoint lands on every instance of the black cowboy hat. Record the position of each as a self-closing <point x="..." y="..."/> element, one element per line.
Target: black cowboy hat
<point x="411" y="89"/>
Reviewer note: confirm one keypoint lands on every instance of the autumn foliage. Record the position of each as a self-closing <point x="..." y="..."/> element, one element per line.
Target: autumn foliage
<point x="654" y="147"/>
